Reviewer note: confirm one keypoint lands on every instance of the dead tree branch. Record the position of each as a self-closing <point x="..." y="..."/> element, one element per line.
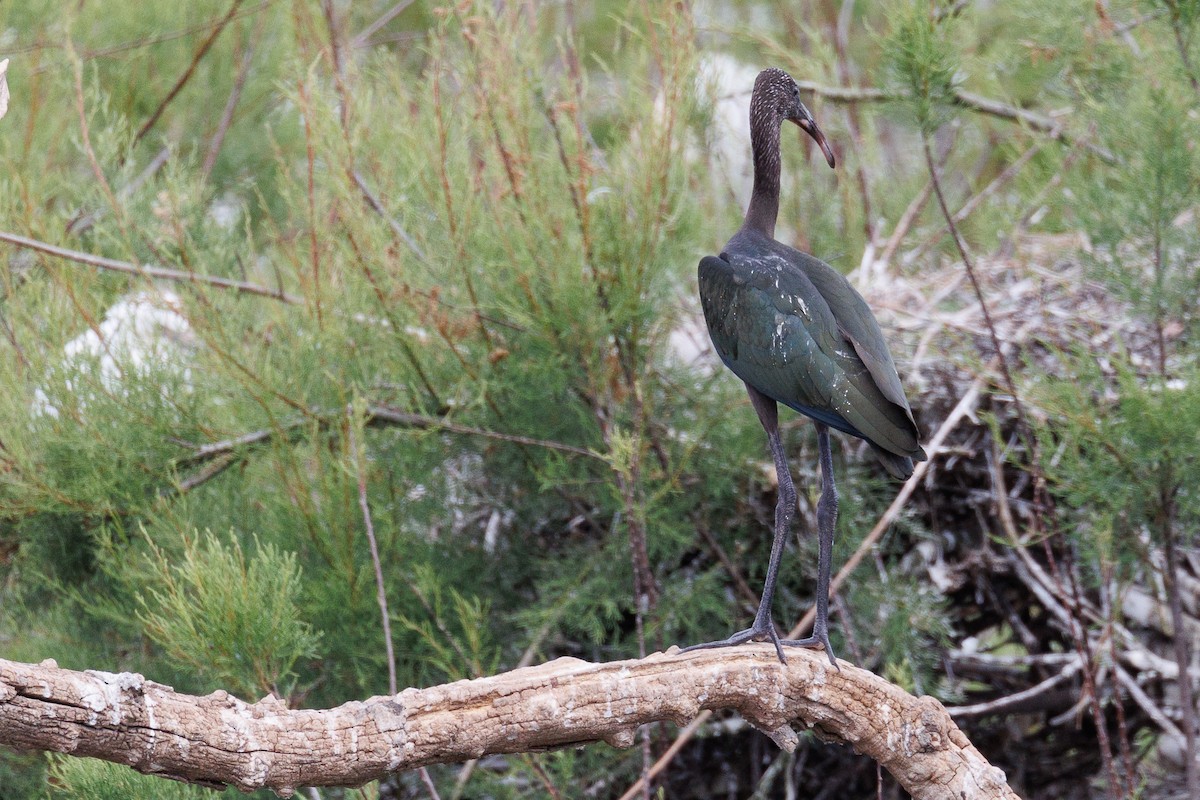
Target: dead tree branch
<point x="968" y="100"/>
<point x="219" y="740"/>
<point x="161" y="273"/>
<point x="183" y="79"/>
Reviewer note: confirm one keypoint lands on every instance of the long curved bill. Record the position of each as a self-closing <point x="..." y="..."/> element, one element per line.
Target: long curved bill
<point x="809" y="126"/>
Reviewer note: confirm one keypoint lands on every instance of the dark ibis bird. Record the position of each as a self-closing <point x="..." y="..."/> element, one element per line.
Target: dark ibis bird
<point x="796" y="332"/>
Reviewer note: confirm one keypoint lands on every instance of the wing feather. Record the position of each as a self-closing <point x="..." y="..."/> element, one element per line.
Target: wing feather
<point x="794" y="328"/>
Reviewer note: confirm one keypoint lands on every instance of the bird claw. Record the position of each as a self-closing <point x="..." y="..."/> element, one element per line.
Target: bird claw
<point x="759" y="633"/>
<point x="767" y="633"/>
<point x="819" y="639"/>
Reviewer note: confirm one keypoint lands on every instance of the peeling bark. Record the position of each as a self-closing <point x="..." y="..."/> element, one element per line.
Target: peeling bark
<point x="218" y="739"/>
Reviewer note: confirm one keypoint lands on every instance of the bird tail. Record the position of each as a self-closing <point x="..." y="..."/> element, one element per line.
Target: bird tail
<point x="897" y="466"/>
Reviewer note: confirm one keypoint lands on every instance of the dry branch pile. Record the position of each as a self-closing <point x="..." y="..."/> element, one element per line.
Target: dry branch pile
<point x="1031" y="632"/>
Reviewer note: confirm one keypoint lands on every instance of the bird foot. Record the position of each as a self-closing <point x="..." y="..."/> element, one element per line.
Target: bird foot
<point x="819" y="638"/>
<point x="761" y="632"/>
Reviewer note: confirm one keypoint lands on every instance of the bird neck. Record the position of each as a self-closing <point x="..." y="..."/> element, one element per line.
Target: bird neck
<point x="764" y="199"/>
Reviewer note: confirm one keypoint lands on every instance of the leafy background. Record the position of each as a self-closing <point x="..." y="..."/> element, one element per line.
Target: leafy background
<point x="465" y="237"/>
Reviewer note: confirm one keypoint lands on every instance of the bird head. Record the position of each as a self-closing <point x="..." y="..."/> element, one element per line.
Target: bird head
<point x="776" y="92"/>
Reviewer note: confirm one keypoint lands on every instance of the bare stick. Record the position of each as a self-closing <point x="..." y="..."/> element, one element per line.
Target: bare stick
<point x="680" y="740"/>
<point x="210" y="471"/>
<point x="1142" y="699"/>
<point x="205" y="46"/>
<point x="360" y="471"/>
<point x="1126" y="27"/>
<point x="911" y="212"/>
<point x="375" y="415"/>
<point x="235" y="95"/>
<point x="1186" y="704"/>
<point x="977" y="199"/>
<point x="85" y="131"/>
<point x="905" y="222"/>
<point x="1009" y="384"/>
<point x="361" y="39"/>
<point x="1002" y="704"/>
<point x="378" y="208"/>
<point x="1182" y="46"/>
<point x="382" y="414"/>
<point x="135" y="44"/>
<point x="147" y="271"/>
<point x="968" y="100"/>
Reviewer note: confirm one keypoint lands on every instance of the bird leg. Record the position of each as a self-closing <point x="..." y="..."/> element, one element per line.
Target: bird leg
<point x="763" y="628"/>
<point x="827" y="508"/>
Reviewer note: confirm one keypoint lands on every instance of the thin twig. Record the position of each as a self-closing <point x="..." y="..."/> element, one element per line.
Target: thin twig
<point x="904" y="223"/>
<point x="360" y="471"/>
<point x="1017" y="699"/>
<point x="1143" y="700"/>
<point x="235" y="95"/>
<point x="1009" y="384"/>
<point x="968" y="100"/>
<point x="1054" y="598"/>
<point x="84" y="222"/>
<point x="359" y="456"/>
<point x="387" y="16"/>
<point x="1026" y="217"/>
<point x="977" y="199"/>
<point x="85" y="133"/>
<point x="911" y="212"/>
<point x="841" y="38"/>
<point x="428" y="781"/>
<point x="1182" y="46"/>
<point x="384" y="415"/>
<point x="375" y="415"/>
<point x="205" y="46"/>
<point x="742" y="588"/>
<point x="306" y="114"/>
<point x="147" y="271"/>
<point x="11" y="335"/>
<point x="210" y="471"/>
<point x="1105" y="14"/>
<point x="1182" y="657"/>
<point x="378" y="208"/>
<point x="1126" y="27"/>
<point x="682" y="738"/>
<point x="135" y="44"/>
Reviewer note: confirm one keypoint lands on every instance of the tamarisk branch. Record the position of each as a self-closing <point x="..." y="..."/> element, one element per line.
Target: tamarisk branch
<point x="218" y="740"/>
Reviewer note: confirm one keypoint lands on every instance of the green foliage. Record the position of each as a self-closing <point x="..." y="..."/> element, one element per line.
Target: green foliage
<point x="451" y="635"/>
<point x="518" y="278"/>
<point x="1139" y="215"/>
<point x="1127" y="435"/>
<point x="537" y="205"/>
<point x="1126" y="457"/>
<point x="923" y="62"/>
<point x="76" y="778"/>
<point x="230" y="620"/>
